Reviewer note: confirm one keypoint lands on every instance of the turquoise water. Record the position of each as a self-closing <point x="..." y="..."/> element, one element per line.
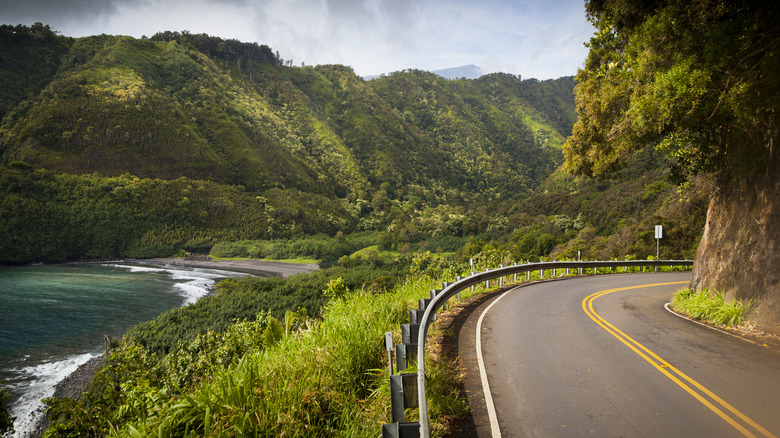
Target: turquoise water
<point x="54" y="318"/>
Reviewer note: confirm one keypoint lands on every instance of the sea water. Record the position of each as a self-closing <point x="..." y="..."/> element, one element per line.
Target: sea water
<point x="53" y="319"/>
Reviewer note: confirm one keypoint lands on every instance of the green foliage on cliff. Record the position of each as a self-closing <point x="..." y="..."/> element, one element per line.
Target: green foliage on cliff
<point x="695" y="79"/>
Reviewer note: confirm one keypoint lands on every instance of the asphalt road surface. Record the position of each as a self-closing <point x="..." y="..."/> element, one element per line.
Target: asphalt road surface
<point x="597" y="356"/>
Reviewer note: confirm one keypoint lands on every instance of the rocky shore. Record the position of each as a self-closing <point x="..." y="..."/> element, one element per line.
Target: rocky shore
<point x="72" y="386"/>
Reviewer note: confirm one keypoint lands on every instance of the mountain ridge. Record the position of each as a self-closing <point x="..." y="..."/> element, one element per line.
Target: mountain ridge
<point x="470" y="71"/>
<point x="181" y="104"/>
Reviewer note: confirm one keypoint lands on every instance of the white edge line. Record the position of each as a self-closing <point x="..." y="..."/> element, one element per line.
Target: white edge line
<point x="495" y="430"/>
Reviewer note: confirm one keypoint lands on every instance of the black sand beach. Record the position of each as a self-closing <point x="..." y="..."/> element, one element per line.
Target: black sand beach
<point x="255" y="267"/>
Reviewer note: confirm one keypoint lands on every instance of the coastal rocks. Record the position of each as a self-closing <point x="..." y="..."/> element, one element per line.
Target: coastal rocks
<point x="72" y="386"/>
<point x="75" y="384"/>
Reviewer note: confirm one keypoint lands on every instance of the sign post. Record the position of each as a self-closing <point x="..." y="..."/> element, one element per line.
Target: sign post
<point x="659" y="231"/>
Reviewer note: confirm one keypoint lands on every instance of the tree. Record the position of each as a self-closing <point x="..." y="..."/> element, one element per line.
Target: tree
<point x="700" y="81"/>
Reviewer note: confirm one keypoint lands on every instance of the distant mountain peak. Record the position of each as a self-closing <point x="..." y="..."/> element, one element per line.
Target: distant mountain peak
<point x="465" y="71"/>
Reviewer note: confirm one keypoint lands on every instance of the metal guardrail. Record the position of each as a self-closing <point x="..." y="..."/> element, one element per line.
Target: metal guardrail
<point x="440" y="298"/>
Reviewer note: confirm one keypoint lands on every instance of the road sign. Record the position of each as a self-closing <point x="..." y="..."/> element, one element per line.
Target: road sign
<point x="659" y="231"/>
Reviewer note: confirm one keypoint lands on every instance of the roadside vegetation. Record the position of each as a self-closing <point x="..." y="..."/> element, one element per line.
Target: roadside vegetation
<point x="304" y="373"/>
<point x="710" y="306"/>
<point x="315" y="371"/>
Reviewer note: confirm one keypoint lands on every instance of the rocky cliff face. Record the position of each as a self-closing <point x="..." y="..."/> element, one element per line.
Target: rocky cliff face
<point x="740" y="249"/>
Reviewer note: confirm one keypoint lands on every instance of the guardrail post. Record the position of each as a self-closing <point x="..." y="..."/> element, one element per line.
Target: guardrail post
<point x="409" y="333"/>
<point x="405" y="356"/>
<point x="401" y="430"/>
<point x="435" y="292"/>
<point x="403" y="394"/>
<point x="415" y="316"/>
<point x="423" y="304"/>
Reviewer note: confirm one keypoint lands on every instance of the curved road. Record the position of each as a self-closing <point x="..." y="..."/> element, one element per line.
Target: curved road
<point x="595" y="356"/>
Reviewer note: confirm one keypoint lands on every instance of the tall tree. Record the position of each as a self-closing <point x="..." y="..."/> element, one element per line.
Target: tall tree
<point x="700" y="81"/>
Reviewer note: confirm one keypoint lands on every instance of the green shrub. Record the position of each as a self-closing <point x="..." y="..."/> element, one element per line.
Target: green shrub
<point x="6" y="420"/>
<point x="710" y="307"/>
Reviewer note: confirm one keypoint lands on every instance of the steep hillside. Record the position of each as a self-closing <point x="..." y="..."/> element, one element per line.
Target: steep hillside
<point x="205" y="108"/>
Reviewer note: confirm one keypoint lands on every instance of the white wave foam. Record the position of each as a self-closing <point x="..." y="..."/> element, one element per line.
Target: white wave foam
<point x="194" y="289"/>
<point x="195" y="283"/>
<point x="38" y="382"/>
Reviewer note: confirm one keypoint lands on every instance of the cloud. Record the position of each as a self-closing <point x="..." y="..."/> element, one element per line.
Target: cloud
<point x="534" y="38"/>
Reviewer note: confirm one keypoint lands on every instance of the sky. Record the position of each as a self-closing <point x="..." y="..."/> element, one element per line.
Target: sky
<point x="531" y="38"/>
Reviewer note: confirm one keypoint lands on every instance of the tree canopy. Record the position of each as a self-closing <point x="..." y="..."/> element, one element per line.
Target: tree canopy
<point x="698" y="80"/>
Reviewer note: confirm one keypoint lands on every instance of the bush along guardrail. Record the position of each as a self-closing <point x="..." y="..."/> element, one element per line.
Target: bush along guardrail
<point x="407" y="390"/>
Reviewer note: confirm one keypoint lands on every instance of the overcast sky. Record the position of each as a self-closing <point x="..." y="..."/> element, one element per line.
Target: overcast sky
<point x="532" y="38"/>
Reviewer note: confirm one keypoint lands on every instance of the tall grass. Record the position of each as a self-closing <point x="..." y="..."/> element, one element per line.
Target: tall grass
<point x="711" y="307"/>
<point x="326" y="380"/>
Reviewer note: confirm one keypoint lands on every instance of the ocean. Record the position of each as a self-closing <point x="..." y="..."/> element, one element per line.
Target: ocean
<point x="53" y="318"/>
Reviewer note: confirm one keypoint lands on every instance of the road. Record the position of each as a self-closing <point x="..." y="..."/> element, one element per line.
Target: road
<point x="563" y="360"/>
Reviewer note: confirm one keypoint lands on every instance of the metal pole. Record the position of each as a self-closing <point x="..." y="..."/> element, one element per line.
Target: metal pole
<point x="389" y="346"/>
<point x="471" y="264"/>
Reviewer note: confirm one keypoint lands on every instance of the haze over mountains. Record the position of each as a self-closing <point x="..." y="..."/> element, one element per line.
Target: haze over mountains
<point x="463" y="72"/>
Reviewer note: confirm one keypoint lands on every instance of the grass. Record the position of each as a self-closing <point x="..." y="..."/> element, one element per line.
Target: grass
<point x="710" y="307"/>
<point x="327" y="380"/>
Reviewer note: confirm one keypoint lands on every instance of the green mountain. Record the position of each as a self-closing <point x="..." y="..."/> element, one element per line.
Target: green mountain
<point x="169" y="135"/>
<point x="182" y="141"/>
<point x="201" y="107"/>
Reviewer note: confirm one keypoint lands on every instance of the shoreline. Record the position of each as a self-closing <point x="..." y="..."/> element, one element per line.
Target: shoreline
<point x="73" y="386"/>
<point x="76" y="383"/>
<point x="264" y="268"/>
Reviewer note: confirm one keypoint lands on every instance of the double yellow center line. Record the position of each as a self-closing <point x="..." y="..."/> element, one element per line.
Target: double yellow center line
<point x="702" y="394"/>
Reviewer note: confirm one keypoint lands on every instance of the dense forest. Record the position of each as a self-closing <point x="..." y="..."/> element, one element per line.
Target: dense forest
<point x="119" y="147"/>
